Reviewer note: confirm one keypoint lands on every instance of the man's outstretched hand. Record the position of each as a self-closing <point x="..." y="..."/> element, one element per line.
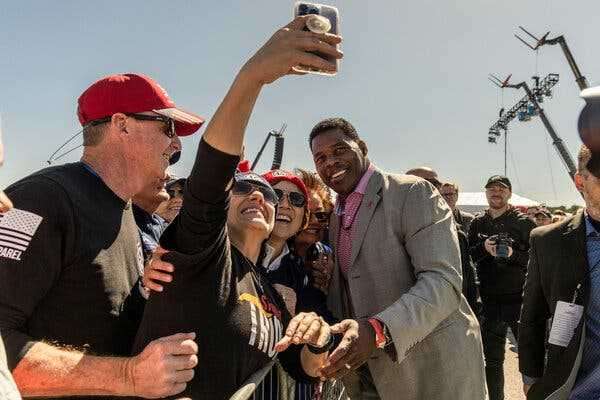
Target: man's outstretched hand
<point x="357" y="345"/>
<point x="290" y="47"/>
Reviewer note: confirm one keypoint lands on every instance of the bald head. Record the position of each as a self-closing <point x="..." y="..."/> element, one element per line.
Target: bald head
<point x="426" y="173"/>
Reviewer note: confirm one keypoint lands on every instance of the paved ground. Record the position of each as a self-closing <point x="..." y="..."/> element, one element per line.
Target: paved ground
<point x="513" y="386"/>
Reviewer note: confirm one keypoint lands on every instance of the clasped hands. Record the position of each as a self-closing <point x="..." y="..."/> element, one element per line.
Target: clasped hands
<point x="355" y="347"/>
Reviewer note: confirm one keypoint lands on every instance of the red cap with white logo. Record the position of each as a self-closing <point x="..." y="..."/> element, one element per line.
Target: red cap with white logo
<point x="133" y="93"/>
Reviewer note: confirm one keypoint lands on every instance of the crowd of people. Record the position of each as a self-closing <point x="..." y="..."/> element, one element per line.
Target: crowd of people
<point x="118" y="279"/>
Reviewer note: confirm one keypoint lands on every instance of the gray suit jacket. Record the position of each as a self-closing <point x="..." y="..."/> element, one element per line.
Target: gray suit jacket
<point x="406" y="271"/>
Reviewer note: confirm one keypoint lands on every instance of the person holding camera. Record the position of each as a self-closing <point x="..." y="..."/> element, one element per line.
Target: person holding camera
<point x="499" y="245"/>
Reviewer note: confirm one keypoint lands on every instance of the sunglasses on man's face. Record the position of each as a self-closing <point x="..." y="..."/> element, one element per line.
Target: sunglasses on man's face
<point x="170" y="123"/>
<point x="242" y="188"/>
<point x="294" y="198"/>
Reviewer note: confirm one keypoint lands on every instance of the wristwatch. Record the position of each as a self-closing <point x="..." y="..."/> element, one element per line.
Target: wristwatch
<point x="320" y="350"/>
<point x="382" y="334"/>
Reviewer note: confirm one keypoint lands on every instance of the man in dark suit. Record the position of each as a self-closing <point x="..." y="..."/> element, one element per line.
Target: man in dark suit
<point x="564" y="273"/>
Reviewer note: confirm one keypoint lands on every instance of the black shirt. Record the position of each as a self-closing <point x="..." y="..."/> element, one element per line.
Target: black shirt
<point x="74" y="282"/>
<point x="501" y="281"/>
<point x="216" y="291"/>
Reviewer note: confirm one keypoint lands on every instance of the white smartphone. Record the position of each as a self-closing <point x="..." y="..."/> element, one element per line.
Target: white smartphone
<point x="332" y="14"/>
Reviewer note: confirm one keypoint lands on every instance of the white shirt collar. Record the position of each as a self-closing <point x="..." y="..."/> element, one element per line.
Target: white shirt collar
<point x="271" y="264"/>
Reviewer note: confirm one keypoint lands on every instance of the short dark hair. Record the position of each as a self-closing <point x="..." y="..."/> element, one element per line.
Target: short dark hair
<point x="333" y="123"/>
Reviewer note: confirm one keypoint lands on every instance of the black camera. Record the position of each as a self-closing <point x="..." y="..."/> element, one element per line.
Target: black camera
<point x="314" y="252"/>
<point x="306" y="9"/>
<point x="502" y="242"/>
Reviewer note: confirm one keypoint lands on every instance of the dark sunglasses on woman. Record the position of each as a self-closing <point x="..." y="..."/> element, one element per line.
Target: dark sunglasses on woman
<point x="242" y="188"/>
<point x="294" y="198"/>
<point x="322" y="216"/>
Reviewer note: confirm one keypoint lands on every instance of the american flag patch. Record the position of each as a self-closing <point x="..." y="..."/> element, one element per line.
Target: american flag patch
<point x="17" y="228"/>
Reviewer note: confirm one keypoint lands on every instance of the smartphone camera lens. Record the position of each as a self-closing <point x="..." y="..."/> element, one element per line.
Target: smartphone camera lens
<point x="312" y="10"/>
<point x="302" y="9"/>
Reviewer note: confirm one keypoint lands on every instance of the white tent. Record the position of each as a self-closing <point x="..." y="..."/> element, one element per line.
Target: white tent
<point x="474" y="202"/>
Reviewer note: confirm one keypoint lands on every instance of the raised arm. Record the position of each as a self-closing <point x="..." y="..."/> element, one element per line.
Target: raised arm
<point x="290" y="46"/>
<point x="201" y="222"/>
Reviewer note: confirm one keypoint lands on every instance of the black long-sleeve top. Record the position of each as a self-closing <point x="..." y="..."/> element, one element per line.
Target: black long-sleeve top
<point x="216" y="291"/>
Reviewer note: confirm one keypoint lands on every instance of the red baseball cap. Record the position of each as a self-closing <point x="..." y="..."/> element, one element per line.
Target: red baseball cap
<point x="133" y="93"/>
<point x="278" y="175"/>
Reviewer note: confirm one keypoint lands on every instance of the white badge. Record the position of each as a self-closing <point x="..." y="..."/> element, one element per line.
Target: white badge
<point x="566" y="319"/>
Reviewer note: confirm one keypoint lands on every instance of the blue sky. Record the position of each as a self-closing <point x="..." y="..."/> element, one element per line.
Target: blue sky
<point x="413" y="80"/>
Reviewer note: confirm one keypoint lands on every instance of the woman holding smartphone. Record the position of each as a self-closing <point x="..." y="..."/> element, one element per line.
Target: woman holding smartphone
<point x="217" y="290"/>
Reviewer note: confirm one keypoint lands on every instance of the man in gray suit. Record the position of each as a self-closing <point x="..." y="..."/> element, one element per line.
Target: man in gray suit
<point x="408" y="331"/>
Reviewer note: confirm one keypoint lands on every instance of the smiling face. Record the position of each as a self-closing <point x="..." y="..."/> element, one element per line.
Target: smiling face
<point x="339" y="160"/>
<point x="316" y="229"/>
<point x="169" y="209"/>
<point x="497" y="196"/>
<point x="450" y="194"/>
<point x="542" y="219"/>
<point x="289" y="218"/>
<point x="250" y="215"/>
<point x="531" y="211"/>
<point x="149" y="146"/>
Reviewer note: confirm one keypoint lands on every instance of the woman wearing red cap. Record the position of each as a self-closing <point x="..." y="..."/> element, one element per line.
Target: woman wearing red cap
<point x="218" y="291"/>
<point x="215" y="242"/>
<point x="284" y="266"/>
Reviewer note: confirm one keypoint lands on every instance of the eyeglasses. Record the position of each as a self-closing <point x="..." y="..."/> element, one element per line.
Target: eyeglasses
<point x="449" y="194"/>
<point x="173" y="193"/>
<point x="242" y="188"/>
<point x="170" y="131"/>
<point x="322" y="216"/>
<point x="295" y="198"/>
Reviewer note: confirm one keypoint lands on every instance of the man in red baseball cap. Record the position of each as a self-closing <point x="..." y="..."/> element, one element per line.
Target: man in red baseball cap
<point x="131" y="94"/>
<point x="71" y="257"/>
<point x="69" y="286"/>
